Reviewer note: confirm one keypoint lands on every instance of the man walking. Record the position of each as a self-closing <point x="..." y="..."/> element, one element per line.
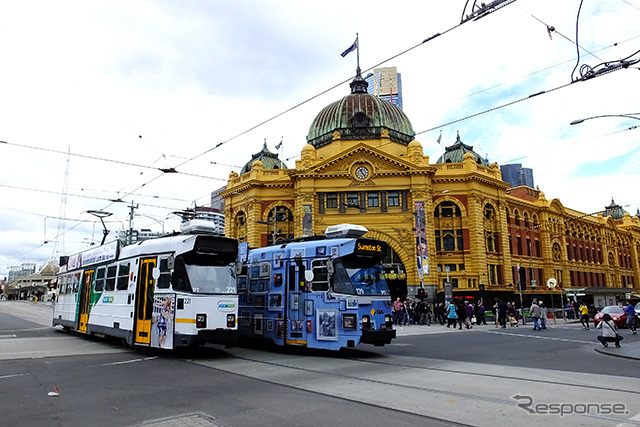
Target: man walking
<point x="534" y="312"/>
<point x="631" y="316"/>
<point x="543" y="315"/>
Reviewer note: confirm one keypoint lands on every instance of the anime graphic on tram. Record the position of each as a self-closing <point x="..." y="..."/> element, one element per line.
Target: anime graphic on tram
<point x="328" y="293"/>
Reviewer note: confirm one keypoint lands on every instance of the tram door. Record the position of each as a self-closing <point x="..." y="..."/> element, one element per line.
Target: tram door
<point x="295" y="318"/>
<point x="144" y="301"/>
<point x="85" y="300"/>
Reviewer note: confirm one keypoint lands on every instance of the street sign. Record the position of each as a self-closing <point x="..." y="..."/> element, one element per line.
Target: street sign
<point x="551" y="283"/>
<point x="533" y="283"/>
<point x="448" y="290"/>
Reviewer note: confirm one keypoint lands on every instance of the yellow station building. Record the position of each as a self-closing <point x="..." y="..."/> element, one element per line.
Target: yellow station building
<point x="453" y="227"/>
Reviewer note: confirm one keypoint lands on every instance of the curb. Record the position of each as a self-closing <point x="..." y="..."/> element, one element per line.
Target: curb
<point x="610" y="353"/>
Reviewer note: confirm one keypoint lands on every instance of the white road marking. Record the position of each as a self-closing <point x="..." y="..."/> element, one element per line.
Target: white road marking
<point x="540" y="337"/>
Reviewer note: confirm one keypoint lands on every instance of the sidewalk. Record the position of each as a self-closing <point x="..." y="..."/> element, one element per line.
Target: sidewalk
<point x="626" y="351"/>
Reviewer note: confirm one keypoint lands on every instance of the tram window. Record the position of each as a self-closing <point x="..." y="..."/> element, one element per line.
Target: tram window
<point x="259" y="285"/>
<point x="100" y="279"/>
<point x="320" y="275"/>
<point x="180" y="279"/>
<point x="123" y="277"/>
<point x="242" y="283"/>
<point x="165" y="274"/>
<point x="111" y="278"/>
<point x="76" y="283"/>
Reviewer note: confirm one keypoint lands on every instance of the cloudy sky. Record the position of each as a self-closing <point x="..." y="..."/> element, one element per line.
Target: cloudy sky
<point x="129" y="87"/>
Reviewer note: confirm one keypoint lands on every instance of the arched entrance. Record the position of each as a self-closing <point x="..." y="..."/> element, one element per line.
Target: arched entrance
<point x="396" y="275"/>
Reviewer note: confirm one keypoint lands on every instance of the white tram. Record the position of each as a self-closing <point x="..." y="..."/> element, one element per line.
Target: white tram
<point x="167" y="292"/>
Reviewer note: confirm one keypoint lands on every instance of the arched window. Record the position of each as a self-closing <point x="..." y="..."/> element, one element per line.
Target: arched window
<point x="240" y="227"/>
<point x="447" y="210"/>
<point x="448" y="227"/>
<point x="491" y="228"/>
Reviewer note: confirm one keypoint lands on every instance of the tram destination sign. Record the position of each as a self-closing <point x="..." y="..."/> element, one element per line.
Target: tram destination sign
<point x="371" y="246"/>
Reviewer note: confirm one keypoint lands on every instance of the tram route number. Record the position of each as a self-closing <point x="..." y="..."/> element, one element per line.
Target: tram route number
<point x="187" y="300"/>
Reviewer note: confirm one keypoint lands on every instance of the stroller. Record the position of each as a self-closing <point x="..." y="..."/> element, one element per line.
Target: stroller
<point x="513" y="321"/>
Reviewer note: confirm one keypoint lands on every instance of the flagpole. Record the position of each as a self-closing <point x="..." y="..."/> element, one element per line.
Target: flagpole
<point x="358" y="52"/>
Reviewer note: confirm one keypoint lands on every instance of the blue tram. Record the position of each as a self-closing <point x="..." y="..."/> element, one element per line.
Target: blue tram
<point x="327" y="293"/>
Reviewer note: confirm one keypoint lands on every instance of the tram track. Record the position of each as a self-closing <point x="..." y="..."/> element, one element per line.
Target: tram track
<point x="461" y="393"/>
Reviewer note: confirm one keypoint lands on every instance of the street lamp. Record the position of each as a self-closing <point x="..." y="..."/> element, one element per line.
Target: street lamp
<point x="155" y="219"/>
<point x="628" y="116"/>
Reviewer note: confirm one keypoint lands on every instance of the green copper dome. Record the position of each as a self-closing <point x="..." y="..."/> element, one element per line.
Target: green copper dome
<point x="269" y="160"/>
<point x="455" y="153"/>
<point x="614" y="210"/>
<point x="360" y="115"/>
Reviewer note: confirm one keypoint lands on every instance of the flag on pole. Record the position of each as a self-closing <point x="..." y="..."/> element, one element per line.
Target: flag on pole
<point x="440" y="138"/>
<point x="279" y="145"/>
<point x="350" y="49"/>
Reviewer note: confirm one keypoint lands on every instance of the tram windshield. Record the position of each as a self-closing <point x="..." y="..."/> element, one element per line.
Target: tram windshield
<point x="358" y="279"/>
<point x="204" y="279"/>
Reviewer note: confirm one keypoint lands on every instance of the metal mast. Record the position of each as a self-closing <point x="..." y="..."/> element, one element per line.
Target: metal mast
<point x="63" y="208"/>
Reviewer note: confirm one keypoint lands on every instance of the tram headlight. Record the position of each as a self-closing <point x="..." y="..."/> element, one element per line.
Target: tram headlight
<point x="349" y="322"/>
<point x="201" y="320"/>
<point x="231" y="320"/>
<point x="366" y="322"/>
<point x="387" y="321"/>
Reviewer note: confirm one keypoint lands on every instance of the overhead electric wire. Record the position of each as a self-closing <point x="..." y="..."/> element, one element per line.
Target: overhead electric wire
<point x="498" y="6"/>
<point x="103" y="159"/>
<point x="585" y="78"/>
<point x="582" y="141"/>
<point x="553" y="29"/>
<point x="83" y="196"/>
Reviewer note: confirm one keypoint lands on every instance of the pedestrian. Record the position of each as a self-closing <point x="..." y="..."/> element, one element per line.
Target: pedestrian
<point x="512" y="314"/>
<point x="632" y="317"/>
<point x="584" y="316"/>
<point x="461" y="310"/>
<point x="397" y="311"/>
<point x="481" y="317"/>
<point x="425" y="313"/>
<point x="438" y="313"/>
<point x="502" y="313"/>
<point x="534" y="312"/>
<point x="609" y="331"/>
<point x="452" y="316"/>
<point x="543" y="315"/>
<point x="471" y="314"/>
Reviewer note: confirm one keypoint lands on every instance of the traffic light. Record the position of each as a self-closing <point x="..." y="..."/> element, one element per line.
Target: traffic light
<point x="421" y="293"/>
<point x="481" y="287"/>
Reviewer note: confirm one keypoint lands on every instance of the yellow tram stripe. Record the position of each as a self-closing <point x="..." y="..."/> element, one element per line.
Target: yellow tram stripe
<point x="183" y="320"/>
<point x="297" y="342"/>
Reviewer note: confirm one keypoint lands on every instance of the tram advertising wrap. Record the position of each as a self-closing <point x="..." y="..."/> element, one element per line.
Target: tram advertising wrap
<point x="319" y="293"/>
<point x="165" y="293"/>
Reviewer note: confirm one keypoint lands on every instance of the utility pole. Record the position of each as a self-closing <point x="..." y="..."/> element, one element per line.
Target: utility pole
<point x="131" y="213"/>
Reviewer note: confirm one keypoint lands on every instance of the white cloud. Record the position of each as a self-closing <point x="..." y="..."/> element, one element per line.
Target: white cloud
<point x="95" y="76"/>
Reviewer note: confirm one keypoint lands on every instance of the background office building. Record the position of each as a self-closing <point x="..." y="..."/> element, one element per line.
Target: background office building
<point x="516" y="175"/>
<point x="386" y="83"/>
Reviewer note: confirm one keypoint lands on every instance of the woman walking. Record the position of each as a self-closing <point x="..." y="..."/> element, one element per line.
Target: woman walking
<point x="452" y="316"/>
